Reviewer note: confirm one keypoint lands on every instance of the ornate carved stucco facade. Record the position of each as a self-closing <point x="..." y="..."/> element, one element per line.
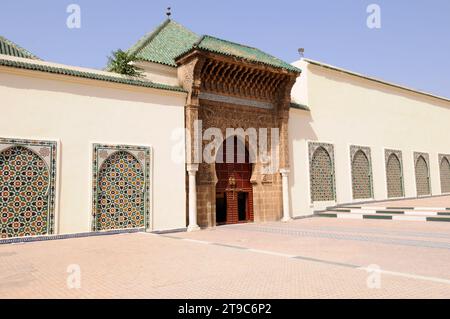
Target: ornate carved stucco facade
<point x="220" y="97"/>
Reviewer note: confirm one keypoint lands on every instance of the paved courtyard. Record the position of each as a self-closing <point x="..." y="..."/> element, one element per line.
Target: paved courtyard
<point x="309" y="258"/>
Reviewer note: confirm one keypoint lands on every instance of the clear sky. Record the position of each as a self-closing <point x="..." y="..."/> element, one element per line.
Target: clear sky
<point x="411" y="48"/>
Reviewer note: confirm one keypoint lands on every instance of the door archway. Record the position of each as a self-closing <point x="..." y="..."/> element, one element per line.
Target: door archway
<point x="234" y="191"/>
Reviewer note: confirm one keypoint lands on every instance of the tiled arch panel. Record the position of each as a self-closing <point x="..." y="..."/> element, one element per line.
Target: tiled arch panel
<point x="321" y="171"/>
<point x="394" y="173"/>
<point x="422" y="172"/>
<point x="27" y="187"/>
<point x="121" y="187"/>
<point x="444" y="168"/>
<point x="361" y="162"/>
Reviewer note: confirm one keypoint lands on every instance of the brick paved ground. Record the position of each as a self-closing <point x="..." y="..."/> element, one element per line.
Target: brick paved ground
<point x="311" y="258"/>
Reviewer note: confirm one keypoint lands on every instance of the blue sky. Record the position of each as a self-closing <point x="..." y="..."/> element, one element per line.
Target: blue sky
<point x="412" y="47"/>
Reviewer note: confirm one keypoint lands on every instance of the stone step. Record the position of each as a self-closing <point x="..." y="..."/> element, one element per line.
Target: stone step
<point x="373" y="210"/>
<point x="440" y="209"/>
<point x="385" y="216"/>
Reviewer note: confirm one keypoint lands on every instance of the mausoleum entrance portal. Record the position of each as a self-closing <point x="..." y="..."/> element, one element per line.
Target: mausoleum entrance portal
<point x="234" y="191"/>
<point x="250" y="92"/>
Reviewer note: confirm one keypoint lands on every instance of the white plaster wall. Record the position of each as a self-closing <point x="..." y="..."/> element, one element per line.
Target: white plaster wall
<point x="81" y="113"/>
<point x="159" y="73"/>
<point x="346" y="110"/>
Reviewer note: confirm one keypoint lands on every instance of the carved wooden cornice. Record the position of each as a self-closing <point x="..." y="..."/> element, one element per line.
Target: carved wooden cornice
<point x="208" y="72"/>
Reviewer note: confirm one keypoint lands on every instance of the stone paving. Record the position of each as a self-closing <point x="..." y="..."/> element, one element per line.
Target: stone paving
<point x="439" y="201"/>
<point x="309" y="258"/>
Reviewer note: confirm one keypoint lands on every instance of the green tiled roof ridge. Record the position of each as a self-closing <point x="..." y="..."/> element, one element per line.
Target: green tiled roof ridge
<point x="7" y="47"/>
<point x="277" y="63"/>
<point x="142" y="42"/>
<point x="160" y="45"/>
<point x="87" y="75"/>
<point x="171" y="40"/>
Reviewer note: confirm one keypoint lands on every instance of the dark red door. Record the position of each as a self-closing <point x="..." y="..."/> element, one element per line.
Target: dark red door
<point x="234" y="193"/>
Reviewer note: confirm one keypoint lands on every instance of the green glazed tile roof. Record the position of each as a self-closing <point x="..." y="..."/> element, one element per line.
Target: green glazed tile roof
<point x="9" y="48"/>
<point x="87" y="75"/>
<point x="216" y="45"/>
<point x="164" y="44"/>
<point x="172" y="40"/>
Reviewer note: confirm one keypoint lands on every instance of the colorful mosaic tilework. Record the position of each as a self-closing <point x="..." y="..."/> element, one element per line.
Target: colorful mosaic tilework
<point x="321" y="164"/>
<point x="394" y="173"/>
<point x="422" y="164"/>
<point x="361" y="172"/>
<point x="444" y="165"/>
<point x="121" y="187"/>
<point x="27" y="187"/>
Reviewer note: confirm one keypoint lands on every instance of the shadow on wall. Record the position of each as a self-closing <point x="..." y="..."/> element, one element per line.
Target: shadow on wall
<point x="301" y="131"/>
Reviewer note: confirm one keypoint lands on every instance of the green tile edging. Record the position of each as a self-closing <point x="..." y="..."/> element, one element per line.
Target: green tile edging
<point x="88" y="75"/>
<point x="376" y="217"/>
<point x="438" y="219"/>
<point x="299" y="106"/>
<point x="17" y="240"/>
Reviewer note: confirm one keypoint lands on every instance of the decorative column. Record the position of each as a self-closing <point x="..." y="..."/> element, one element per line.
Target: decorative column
<point x="192" y="171"/>
<point x="285" y="189"/>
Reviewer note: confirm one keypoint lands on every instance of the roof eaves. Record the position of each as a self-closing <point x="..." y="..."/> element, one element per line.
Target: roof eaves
<point x="299" y="106"/>
<point x="87" y="75"/>
<point x="198" y="45"/>
<point x="156" y="61"/>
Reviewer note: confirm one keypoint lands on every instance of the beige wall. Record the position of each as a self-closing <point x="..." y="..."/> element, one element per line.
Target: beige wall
<point x="77" y="113"/>
<point x="346" y="110"/>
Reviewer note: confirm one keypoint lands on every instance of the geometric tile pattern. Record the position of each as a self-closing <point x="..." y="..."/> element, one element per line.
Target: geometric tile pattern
<point x="421" y="161"/>
<point x="361" y="172"/>
<point x="444" y="165"/>
<point x="27" y="188"/>
<point x="121" y="189"/>
<point x="394" y="173"/>
<point x="321" y="163"/>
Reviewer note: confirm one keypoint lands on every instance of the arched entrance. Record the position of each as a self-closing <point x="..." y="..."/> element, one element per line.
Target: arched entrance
<point x="234" y="192"/>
